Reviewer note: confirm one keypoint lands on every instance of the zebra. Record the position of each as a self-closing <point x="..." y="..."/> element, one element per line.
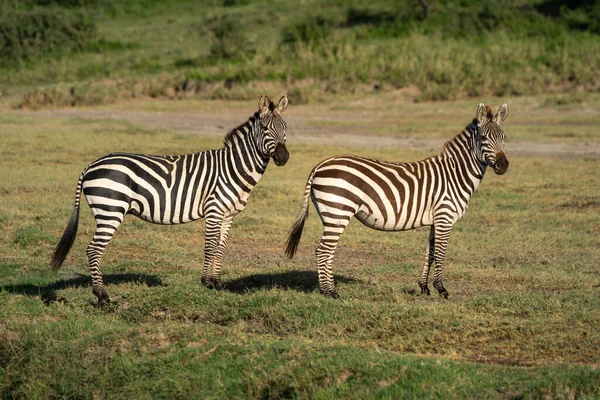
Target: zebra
<point x="391" y="196"/>
<point x="212" y="185"/>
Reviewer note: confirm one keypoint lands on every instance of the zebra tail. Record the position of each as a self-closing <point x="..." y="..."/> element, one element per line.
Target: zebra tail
<point x="293" y="240"/>
<point x="68" y="236"/>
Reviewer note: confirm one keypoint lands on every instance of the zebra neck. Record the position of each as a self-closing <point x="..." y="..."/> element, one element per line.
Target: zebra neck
<point x="461" y="152"/>
<point x="242" y="152"/>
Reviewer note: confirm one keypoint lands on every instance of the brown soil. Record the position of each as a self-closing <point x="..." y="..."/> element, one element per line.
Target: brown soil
<point x="323" y="128"/>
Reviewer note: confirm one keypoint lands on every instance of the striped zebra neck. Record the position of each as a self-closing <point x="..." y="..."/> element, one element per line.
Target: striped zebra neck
<point x="241" y="143"/>
<point x="463" y="149"/>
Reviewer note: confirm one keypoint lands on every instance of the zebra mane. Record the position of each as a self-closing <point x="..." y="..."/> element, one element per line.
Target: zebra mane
<point x="241" y="130"/>
<point x="463" y="137"/>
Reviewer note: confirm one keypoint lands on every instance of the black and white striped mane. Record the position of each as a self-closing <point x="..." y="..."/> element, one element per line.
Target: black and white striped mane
<point x="240" y="131"/>
<point x="243" y="129"/>
<point x="471" y="129"/>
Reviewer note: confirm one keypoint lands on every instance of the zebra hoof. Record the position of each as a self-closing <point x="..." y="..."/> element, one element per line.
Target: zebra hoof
<point x="444" y="293"/>
<point x="425" y="290"/>
<point x="103" y="303"/>
<point x="334" y="295"/>
<point x="213" y="284"/>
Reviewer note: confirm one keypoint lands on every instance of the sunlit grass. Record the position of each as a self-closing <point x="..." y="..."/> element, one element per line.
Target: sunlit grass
<point x="522" y="272"/>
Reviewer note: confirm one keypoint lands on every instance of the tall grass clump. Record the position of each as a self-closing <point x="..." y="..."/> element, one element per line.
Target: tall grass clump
<point x="446" y="50"/>
<point x="229" y="42"/>
<point x="27" y="34"/>
<point x="310" y="29"/>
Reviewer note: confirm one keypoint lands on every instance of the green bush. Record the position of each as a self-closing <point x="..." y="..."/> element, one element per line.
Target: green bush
<point x="388" y="21"/>
<point x="309" y="30"/>
<point x="230" y="42"/>
<point x="26" y="34"/>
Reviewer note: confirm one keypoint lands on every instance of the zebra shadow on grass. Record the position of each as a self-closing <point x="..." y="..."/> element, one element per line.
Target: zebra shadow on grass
<point x="302" y="281"/>
<point x="47" y="293"/>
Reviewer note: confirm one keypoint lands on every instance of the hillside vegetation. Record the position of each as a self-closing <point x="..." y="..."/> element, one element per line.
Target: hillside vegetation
<point x="96" y="51"/>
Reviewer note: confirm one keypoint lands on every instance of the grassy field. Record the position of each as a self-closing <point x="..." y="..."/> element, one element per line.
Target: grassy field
<point x="522" y="271"/>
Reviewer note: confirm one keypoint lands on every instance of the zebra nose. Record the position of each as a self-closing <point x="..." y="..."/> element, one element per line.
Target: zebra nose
<point x="501" y="164"/>
<point x="281" y="155"/>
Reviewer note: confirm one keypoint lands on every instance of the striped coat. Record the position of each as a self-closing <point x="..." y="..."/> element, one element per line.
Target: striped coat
<point x="212" y="185"/>
<point x="399" y="196"/>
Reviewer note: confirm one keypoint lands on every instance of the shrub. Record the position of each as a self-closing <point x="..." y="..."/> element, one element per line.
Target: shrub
<point x="229" y="41"/>
<point x="309" y="30"/>
<point x="26" y="34"/>
<point x="390" y="21"/>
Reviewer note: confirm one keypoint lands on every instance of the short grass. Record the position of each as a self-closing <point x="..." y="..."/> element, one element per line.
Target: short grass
<point x="522" y="272"/>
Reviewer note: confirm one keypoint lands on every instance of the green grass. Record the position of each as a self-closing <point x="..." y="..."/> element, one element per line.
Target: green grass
<point x="522" y="272"/>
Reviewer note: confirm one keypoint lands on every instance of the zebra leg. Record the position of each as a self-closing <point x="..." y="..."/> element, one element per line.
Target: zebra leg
<point x="332" y="230"/>
<point x="442" y="233"/>
<point x="219" y="253"/>
<point x="105" y="230"/>
<point x="429" y="257"/>
<point x="211" y="240"/>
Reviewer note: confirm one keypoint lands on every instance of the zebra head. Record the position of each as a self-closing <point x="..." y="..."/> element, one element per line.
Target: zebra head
<point x="271" y="129"/>
<point x="491" y="149"/>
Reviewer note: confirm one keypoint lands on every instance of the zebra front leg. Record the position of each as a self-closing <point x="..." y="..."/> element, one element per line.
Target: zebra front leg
<point x="429" y="257"/>
<point x="105" y="230"/>
<point x="219" y="252"/>
<point x="442" y="233"/>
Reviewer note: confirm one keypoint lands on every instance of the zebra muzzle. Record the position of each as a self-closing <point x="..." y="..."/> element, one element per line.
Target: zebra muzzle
<point x="281" y="155"/>
<point x="501" y="165"/>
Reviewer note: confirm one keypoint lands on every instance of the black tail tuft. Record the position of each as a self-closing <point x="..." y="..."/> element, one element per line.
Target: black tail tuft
<point x="66" y="241"/>
<point x="293" y="240"/>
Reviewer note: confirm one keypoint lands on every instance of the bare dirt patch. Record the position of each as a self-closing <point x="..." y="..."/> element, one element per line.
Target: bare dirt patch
<point x="349" y="126"/>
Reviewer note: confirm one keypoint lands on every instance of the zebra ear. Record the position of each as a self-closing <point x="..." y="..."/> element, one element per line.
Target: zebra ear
<point x="501" y="114"/>
<point x="283" y="103"/>
<point x="263" y="104"/>
<point x="482" y="114"/>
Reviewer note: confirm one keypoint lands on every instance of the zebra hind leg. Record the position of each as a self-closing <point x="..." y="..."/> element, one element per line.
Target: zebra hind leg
<point x="325" y="254"/>
<point x="332" y="230"/>
<point x="105" y="230"/>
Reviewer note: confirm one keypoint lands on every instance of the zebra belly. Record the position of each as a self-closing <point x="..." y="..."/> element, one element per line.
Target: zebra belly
<point x="396" y="222"/>
<point x="373" y="220"/>
<point x="121" y="200"/>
